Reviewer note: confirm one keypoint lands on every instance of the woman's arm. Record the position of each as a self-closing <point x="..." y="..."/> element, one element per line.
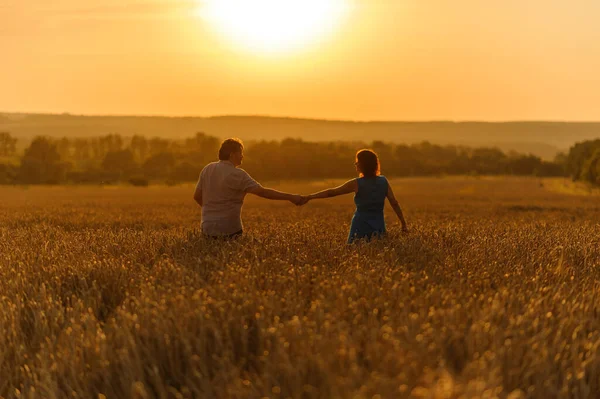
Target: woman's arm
<point x="351" y="186"/>
<point x="396" y="207"/>
<point x="271" y="194"/>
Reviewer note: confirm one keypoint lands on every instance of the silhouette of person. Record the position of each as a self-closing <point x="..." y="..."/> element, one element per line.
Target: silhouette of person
<point x="371" y="189"/>
<point x="221" y="190"/>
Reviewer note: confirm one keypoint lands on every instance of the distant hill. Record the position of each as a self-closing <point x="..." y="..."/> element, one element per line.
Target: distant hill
<point x="544" y="139"/>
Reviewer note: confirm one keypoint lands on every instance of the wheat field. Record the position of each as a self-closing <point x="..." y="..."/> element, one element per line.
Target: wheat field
<point x="113" y="293"/>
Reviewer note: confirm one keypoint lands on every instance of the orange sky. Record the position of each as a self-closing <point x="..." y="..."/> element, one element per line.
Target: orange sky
<point x="391" y="60"/>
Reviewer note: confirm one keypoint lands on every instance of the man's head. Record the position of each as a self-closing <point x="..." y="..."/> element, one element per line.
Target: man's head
<point x="232" y="150"/>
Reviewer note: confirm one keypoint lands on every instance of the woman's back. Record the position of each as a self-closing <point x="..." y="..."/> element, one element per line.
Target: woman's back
<point x="370" y="201"/>
<point x="371" y="194"/>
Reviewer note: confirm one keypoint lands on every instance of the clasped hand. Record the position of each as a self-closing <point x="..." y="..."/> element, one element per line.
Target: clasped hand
<point x="300" y="200"/>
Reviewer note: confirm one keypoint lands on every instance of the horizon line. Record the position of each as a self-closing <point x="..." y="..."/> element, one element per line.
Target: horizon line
<point x="303" y="118"/>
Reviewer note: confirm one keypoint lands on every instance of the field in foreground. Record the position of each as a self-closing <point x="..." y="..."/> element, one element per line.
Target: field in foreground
<point x="114" y="293"/>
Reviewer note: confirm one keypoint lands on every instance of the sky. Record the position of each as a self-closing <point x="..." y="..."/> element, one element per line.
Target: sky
<point x="493" y="60"/>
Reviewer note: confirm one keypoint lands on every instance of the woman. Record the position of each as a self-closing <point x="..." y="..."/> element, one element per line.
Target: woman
<point x="371" y="190"/>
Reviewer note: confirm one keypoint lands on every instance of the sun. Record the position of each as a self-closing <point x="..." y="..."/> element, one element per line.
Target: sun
<point x="274" y="26"/>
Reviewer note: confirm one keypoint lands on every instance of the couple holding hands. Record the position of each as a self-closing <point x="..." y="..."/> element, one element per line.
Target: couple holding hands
<point x="222" y="187"/>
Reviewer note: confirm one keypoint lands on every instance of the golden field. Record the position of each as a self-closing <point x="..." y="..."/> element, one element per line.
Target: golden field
<point x="113" y="293"/>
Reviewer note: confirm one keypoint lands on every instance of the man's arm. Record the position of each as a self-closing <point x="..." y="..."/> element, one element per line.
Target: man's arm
<point x="198" y="196"/>
<point x="275" y="195"/>
<point x="198" y="191"/>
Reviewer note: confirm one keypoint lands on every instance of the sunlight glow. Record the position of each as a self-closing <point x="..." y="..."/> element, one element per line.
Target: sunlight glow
<point x="274" y="26"/>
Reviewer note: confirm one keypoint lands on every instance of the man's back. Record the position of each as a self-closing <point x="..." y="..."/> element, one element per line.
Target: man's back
<point x="223" y="190"/>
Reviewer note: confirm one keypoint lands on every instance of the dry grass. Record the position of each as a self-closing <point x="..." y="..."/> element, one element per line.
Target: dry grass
<point x="113" y="293"/>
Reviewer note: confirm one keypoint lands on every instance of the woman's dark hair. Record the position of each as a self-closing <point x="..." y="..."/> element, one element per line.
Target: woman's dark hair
<point x="229" y="146"/>
<point x="368" y="161"/>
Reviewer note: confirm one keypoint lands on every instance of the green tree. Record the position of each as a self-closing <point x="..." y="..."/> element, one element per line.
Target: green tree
<point x="201" y="149"/>
<point x="185" y="172"/>
<point x="8" y="145"/>
<point x="159" y="166"/>
<point x="8" y="173"/>
<point x="488" y="161"/>
<point x="525" y="165"/>
<point x="83" y="152"/>
<point x="157" y="145"/>
<point x="591" y="168"/>
<point x="119" y="165"/>
<point x="579" y="154"/>
<point x="103" y="145"/>
<point x="139" y="147"/>
<point x="41" y="163"/>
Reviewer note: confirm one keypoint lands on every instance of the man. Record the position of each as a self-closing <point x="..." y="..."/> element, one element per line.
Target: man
<point x="222" y="188"/>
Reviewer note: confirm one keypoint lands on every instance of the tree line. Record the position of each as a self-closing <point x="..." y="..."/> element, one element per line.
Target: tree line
<point x="583" y="162"/>
<point x="138" y="160"/>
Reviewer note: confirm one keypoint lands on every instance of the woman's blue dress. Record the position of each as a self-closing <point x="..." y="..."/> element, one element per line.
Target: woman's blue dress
<point x="368" y="219"/>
